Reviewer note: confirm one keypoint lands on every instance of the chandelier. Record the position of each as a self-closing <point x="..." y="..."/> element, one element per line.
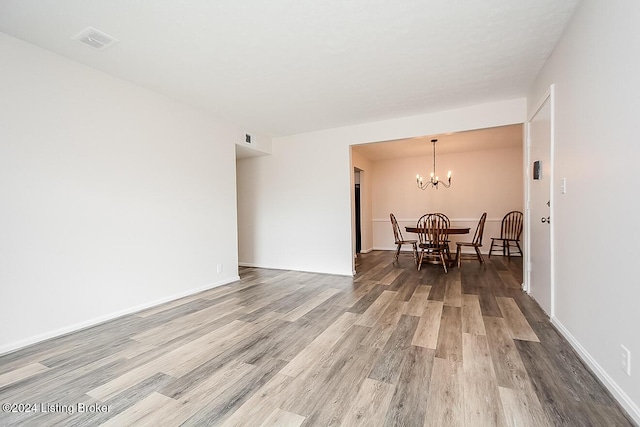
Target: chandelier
<point x="434" y="180"/>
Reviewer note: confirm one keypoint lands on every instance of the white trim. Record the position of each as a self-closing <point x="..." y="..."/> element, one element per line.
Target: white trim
<point x="526" y="168"/>
<point x="619" y="394"/>
<point x="16" y="345"/>
<point x="526" y="286"/>
<point x="249" y="264"/>
<point x="540" y="104"/>
<point x="552" y="200"/>
<point x="366" y="251"/>
<point x="252" y="265"/>
<point x="405" y="248"/>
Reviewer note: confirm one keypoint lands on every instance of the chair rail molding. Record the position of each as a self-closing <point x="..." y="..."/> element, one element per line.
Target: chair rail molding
<point x="414" y="221"/>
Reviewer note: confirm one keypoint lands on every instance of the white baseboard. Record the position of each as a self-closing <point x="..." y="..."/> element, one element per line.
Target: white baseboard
<point x="617" y="392"/>
<point x="403" y="249"/>
<point x="247" y="264"/>
<point x="284" y="268"/>
<point x="16" y="345"/>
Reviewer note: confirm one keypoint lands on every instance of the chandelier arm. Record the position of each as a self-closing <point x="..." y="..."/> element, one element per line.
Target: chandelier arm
<point x="427" y="184"/>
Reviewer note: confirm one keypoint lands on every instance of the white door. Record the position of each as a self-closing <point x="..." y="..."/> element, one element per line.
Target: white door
<point x="540" y="134"/>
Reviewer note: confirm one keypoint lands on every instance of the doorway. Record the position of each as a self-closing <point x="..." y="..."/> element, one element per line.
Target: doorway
<point x="540" y="206"/>
<point x="358" y="210"/>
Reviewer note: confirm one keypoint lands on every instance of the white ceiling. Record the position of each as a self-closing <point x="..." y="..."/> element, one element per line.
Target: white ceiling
<point x="289" y="66"/>
<point x="483" y="139"/>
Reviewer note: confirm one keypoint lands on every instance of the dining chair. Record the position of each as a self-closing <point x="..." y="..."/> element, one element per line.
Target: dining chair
<point x="448" y="224"/>
<point x="510" y="232"/>
<point x="433" y="239"/>
<point x="397" y="234"/>
<point x="476" y="243"/>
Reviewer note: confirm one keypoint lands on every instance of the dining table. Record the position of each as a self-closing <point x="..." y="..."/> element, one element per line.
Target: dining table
<point x="449" y="230"/>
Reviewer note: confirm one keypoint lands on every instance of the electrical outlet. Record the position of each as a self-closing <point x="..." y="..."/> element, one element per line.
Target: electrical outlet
<point x="626" y="360"/>
<point x="563" y="186"/>
<point x="219" y="268"/>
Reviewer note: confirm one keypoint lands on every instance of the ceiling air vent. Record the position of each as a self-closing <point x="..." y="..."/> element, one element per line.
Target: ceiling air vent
<point x="95" y="38"/>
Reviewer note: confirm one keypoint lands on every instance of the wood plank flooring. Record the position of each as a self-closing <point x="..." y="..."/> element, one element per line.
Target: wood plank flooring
<point x="389" y="347"/>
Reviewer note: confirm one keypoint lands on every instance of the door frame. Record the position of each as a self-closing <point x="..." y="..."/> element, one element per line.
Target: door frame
<point x="548" y="96"/>
<point x="357" y="196"/>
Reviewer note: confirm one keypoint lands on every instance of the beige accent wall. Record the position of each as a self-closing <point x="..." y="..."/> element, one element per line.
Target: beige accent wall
<point x="483" y="181"/>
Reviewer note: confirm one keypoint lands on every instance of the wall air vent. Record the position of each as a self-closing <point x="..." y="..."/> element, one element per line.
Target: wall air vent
<point x="95" y="38"/>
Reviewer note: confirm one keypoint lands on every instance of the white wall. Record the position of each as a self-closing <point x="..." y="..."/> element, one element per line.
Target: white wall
<point x="283" y="221"/>
<point x="299" y="198"/>
<point x="595" y="69"/>
<point x="483" y="181"/>
<point x="113" y="197"/>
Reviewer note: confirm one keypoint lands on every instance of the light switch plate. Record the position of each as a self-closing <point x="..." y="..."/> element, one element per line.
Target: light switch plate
<point x="626" y="360"/>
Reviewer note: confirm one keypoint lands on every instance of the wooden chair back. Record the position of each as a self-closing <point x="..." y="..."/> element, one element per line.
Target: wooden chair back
<point x="477" y="237"/>
<point x="444" y="218"/>
<point x="512" y="225"/>
<point x="397" y="234"/>
<point x="437" y="230"/>
<point x="432" y="229"/>
<point x="421" y="225"/>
